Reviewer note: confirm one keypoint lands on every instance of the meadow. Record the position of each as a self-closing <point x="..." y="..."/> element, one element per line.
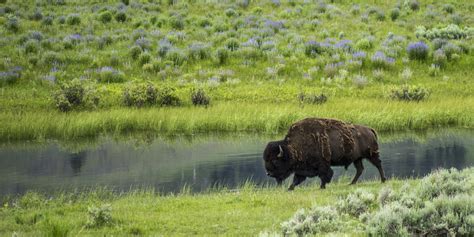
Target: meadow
<point x="74" y="69"/>
<point x="439" y="204"/>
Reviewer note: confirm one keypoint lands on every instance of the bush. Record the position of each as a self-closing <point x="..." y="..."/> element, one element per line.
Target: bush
<point x="312" y="222"/>
<point x="32" y="46"/>
<point x="99" y="216"/>
<point x="110" y="75"/>
<point x="418" y="51"/>
<point x="312" y="48"/>
<point x="199" y="51"/>
<point x="199" y="97"/>
<point x="13" y="24"/>
<point x="74" y="94"/>
<point x="176" y="22"/>
<point x="47" y="21"/>
<point x="36" y="16"/>
<point x="439" y="58"/>
<point x="177" y="57"/>
<point x="409" y="93"/>
<point x="139" y="95"/>
<point x="414" y="5"/>
<point x="105" y="17"/>
<point x="222" y="55"/>
<point x="451" y="31"/>
<point x="356" y="203"/>
<point x="450" y="49"/>
<point x="388" y="221"/>
<point x="312" y="98"/>
<point x="394" y="14"/>
<point x="51" y="57"/>
<point x="144" y="58"/>
<point x="364" y="43"/>
<point x="232" y="44"/>
<point x="135" y="52"/>
<point x="121" y="16"/>
<point x="360" y="81"/>
<point x="167" y="97"/>
<point x="73" y="19"/>
<point x="449" y="8"/>
<point x="10" y="76"/>
<point x="380" y="60"/>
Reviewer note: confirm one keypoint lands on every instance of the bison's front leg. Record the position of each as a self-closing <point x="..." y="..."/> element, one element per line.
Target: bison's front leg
<point x="297" y="179"/>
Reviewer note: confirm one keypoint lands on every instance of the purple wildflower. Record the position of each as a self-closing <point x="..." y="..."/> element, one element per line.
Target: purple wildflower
<point x="379" y="59"/>
<point x="143" y="43"/>
<point x="359" y="55"/>
<point x="418" y="51"/>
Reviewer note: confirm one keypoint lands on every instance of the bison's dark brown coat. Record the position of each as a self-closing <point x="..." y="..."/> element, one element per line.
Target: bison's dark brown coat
<point x="313" y="145"/>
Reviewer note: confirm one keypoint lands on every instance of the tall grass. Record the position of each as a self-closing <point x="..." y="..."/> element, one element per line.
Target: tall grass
<point x="269" y="118"/>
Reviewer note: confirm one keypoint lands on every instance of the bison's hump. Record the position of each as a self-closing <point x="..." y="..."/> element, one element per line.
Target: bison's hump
<point x="310" y="138"/>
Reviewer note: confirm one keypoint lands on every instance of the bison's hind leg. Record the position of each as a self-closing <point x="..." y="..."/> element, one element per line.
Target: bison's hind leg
<point x="375" y="160"/>
<point x="359" y="168"/>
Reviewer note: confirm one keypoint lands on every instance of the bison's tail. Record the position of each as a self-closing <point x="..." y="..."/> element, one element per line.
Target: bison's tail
<point x="375" y="133"/>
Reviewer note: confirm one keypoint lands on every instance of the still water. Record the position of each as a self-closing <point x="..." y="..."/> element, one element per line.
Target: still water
<point x="201" y="162"/>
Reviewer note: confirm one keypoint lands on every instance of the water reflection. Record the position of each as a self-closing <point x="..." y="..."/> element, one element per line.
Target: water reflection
<point x="168" y="166"/>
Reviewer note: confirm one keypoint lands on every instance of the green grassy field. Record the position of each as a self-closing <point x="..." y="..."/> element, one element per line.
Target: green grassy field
<point x="246" y="211"/>
<point x="255" y="88"/>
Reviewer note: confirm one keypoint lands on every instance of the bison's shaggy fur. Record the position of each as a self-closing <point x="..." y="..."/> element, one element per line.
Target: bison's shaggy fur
<point x="313" y="145"/>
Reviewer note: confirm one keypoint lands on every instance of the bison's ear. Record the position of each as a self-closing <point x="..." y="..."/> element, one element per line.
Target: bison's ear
<point x="280" y="155"/>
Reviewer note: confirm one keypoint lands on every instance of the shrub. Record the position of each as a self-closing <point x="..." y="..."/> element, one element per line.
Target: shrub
<point x="199" y="97"/>
<point x="62" y="20"/>
<point x="312" y="222"/>
<point x="304" y="98"/>
<point x="73" y="19"/>
<point x="449" y="8"/>
<point x="409" y="93"/>
<point x="380" y="60"/>
<point x="451" y="31"/>
<point x="13" y="24"/>
<point x="394" y="14"/>
<point x="439" y="43"/>
<point x="360" y="81"/>
<point x="110" y="75"/>
<point x="450" y="49"/>
<point x="232" y="44"/>
<point x="434" y="70"/>
<point x="388" y="221"/>
<point x="105" y="17"/>
<point x="176" y="22"/>
<point x="414" y="5"/>
<point x="135" y="52"/>
<point x="378" y="74"/>
<point x="418" y="51"/>
<point x="312" y="48"/>
<point x="32" y="46"/>
<point x="121" y="16"/>
<point x="36" y="16"/>
<point x="380" y="15"/>
<point x="51" y="57"/>
<point x="222" y="55"/>
<point x="144" y="58"/>
<point x="439" y="58"/>
<point x="230" y="12"/>
<point x="99" y="216"/>
<point x="356" y="203"/>
<point x="139" y="95"/>
<point x="167" y="97"/>
<point x="199" y="51"/>
<point x="74" y="94"/>
<point x="364" y="43"/>
<point x="47" y="21"/>
<point x="177" y="57"/>
<point x="10" y="76"/>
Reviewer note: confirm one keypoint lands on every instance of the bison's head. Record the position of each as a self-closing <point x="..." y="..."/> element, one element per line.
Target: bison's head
<point x="277" y="161"/>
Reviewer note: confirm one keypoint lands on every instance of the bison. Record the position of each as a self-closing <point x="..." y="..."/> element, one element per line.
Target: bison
<point x="313" y="145"/>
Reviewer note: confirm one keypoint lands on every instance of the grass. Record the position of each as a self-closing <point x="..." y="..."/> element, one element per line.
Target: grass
<point x="246" y="211"/>
<point x="255" y="90"/>
<point x="416" y="205"/>
<point x="383" y="115"/>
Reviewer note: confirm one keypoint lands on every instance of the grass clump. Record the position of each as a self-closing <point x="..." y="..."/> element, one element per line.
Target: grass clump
<point x="305" y="98"/>
<point x="315" y="221"/>
<point x="99" y="216"/>
<point x="74" y="94"/>
<point x="199" y="97"/>
<point x="409" y="93"/>
<point x="140" y="94"/>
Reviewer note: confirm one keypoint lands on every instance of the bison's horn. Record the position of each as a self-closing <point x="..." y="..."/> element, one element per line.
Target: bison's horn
<point x="280" y="155"/>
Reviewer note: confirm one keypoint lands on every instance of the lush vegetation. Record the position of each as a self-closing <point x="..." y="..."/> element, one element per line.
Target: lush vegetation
<point x="438" y="204"/>
<point x="74" y="68"/>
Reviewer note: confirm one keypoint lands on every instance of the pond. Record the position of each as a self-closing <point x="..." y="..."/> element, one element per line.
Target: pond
<point x="201" y="162"/>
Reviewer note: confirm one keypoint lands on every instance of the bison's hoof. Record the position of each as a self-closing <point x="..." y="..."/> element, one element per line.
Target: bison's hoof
<point x="291" y="188"/>
<point x="384" y="179"/>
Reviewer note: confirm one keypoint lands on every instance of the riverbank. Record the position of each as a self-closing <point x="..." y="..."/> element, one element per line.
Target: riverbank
<point x="263" y="118"/>
<point x="248" y="210"/>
